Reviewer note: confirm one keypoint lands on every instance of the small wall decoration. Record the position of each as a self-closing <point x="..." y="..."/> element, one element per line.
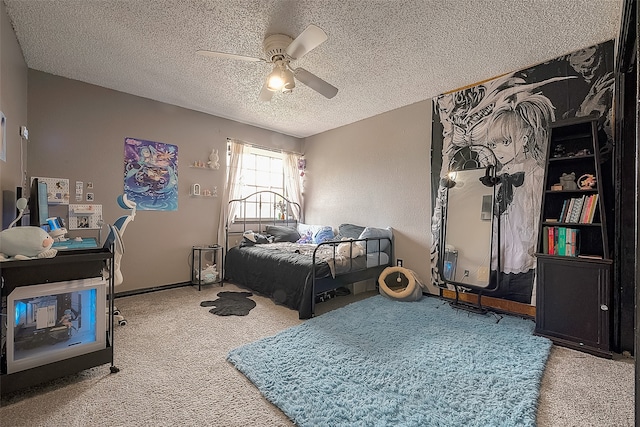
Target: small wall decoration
<point x="214" y="160"/>
<point x="151" y="174"/>
<point x="79" y="190"/>
<point x="302" y="165"/>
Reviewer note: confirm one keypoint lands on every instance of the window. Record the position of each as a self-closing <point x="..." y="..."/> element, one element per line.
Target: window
<point x="262" y="169"/>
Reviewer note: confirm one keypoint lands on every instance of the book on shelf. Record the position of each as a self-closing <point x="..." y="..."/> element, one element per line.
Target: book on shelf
<point x="577" y="209"/>
<point x="592" y="210"/>
<point x="584" y="215"/>
<point x="587" y="256"/>
<point x="563" y="210"/>
<point x="572" y="242"/>
<point x="567" y="213"/>
<point x="561" y="241"/>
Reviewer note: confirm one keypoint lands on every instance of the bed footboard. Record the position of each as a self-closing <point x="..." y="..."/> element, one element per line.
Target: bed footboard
<point x="360" y="259"/>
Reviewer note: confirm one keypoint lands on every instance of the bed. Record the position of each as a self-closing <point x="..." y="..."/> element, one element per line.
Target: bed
<point x="268" y="252"/>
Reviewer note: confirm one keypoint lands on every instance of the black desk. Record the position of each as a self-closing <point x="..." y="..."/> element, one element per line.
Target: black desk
<point x="65" y="266"/>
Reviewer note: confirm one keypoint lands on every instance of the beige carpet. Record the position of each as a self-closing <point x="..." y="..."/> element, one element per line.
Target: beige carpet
<point x="173" y="372"/>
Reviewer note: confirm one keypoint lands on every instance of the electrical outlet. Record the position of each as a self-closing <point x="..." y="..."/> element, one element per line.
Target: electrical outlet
<point x="399" y="262"/>
<point x="24" y="132"/>
<point x="466" y="273"/>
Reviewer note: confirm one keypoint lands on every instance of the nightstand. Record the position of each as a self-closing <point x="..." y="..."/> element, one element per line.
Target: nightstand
<point x="215" y="253"/>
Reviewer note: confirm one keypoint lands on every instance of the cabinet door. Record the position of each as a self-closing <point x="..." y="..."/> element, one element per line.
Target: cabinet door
<point x="573" y="298"/>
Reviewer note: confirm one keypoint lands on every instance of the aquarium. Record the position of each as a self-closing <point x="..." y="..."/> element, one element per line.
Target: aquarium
<point x="55" y="321"/>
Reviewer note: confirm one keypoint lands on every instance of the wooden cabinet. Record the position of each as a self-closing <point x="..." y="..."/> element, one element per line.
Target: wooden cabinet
<point x="573" y="299"/>
<point x="573" y="286"/>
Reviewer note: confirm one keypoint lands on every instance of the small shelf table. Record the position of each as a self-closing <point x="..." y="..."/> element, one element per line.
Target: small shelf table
<point x="197" y="253"/>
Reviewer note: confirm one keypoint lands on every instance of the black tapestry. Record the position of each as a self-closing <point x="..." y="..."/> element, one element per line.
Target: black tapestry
<point x="510" y="115"/>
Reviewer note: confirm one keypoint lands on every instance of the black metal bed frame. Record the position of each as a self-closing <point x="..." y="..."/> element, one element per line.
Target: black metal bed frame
<point x="318" y="285"/>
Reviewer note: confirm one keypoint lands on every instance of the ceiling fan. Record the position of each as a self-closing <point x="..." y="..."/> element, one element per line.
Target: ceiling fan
<point x="280" y="50"/>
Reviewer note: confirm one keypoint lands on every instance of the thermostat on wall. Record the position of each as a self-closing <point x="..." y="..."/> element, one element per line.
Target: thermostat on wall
<point x="24" y="132"/>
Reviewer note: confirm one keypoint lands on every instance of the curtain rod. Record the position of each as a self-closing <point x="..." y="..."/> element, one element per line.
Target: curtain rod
<point x="262" y="147"/>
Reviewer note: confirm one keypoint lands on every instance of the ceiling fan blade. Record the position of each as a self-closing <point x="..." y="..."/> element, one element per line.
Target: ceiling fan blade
<point x="309" y="39"/>
<point x="315" y="83"/>
<point x="212" y="53"/>
<point x="265" y="94"/>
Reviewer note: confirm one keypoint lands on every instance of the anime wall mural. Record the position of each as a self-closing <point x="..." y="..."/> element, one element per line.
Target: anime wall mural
<point x="510" y="115"/>
<point x="151" y="174"/>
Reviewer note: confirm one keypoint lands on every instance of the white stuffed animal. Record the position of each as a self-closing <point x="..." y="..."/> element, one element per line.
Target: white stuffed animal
<point x="208" y="275"/>
<point x="214" y="160"/>
<point x="346" y="249"/>
<point x="25" y="243"/>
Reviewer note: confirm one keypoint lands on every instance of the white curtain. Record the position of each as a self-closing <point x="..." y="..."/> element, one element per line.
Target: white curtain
<point x="232" y="188"/>
<point x="292" y="184"/>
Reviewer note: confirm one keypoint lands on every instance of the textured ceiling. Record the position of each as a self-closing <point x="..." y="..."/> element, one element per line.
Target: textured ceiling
<point x="382" y="54"/>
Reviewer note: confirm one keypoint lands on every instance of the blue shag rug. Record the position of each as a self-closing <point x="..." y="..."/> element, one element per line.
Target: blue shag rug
<point x="380" y="362"/>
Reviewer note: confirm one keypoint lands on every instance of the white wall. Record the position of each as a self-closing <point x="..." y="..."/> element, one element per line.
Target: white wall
<point x="377" y="172"/>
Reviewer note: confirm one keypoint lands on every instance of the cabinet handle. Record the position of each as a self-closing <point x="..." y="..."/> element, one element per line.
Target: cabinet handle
<point x="604" y="307"/>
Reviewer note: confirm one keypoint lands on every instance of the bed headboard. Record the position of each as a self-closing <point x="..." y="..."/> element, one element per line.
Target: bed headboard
<point x="256" y="211"/>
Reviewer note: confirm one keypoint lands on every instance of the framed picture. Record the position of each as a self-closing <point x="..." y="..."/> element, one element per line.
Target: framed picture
<point x="3" y="137"/>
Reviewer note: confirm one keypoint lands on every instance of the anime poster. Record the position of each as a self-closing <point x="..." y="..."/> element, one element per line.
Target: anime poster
<point x="510" y="115"/>
<point x="151" y="174"/>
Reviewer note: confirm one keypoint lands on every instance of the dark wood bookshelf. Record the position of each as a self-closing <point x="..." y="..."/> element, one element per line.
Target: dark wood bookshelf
<point x="573" y="292"/>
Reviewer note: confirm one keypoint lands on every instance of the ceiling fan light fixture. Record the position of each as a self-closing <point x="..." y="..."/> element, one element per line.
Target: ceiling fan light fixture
<point x="289" y="80"/>
<point x="281" y="78"/>
<point x="275" y="80"/>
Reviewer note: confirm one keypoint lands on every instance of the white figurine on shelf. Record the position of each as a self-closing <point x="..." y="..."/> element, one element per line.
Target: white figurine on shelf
<point x="214" y="160"/>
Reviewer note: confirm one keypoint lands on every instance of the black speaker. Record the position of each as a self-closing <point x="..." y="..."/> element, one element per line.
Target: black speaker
<point x="9" y="211"/>
<point x="8" y="207"/>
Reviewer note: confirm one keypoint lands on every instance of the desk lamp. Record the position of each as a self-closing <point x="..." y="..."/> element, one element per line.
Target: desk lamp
<point x="21" y="205"/>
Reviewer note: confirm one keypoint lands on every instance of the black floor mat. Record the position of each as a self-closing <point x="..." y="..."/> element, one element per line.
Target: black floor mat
<point x="231" y="304"/>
